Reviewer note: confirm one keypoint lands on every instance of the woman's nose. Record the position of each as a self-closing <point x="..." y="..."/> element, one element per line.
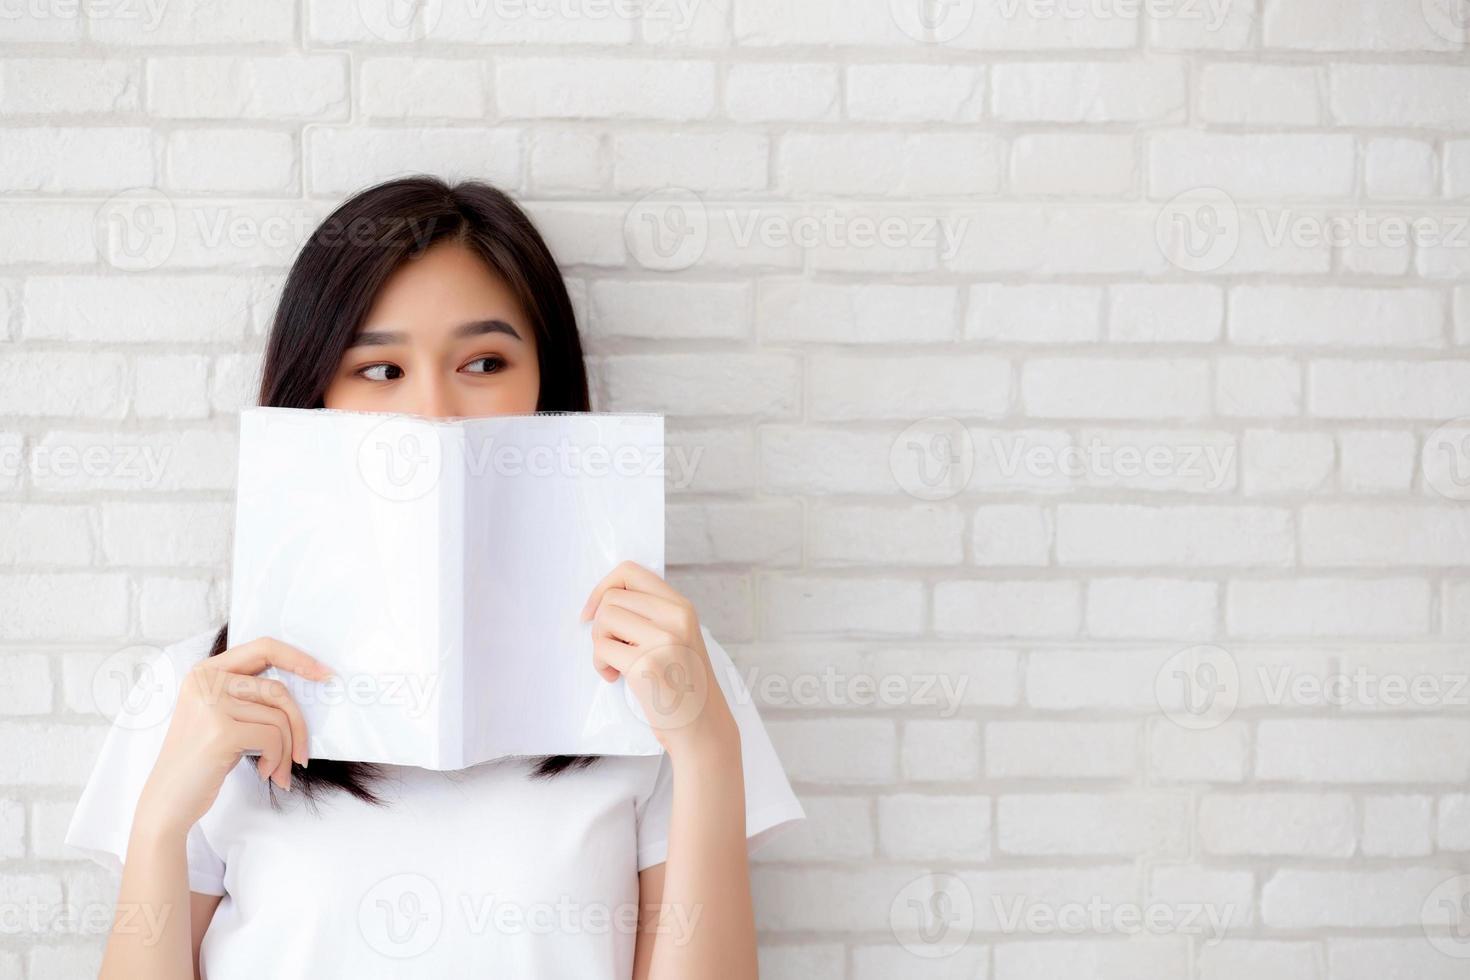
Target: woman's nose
<point x="436" y="398"/>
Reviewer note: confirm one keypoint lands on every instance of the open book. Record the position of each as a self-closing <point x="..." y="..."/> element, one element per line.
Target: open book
<point x="439" y="567"/>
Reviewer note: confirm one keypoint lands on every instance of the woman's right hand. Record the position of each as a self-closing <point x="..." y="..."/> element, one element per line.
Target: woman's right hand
<point x="224" y="710"/>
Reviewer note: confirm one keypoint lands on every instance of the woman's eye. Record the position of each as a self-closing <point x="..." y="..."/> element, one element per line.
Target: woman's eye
<point x="492" y="364"/>
<point x="382" y="370"/>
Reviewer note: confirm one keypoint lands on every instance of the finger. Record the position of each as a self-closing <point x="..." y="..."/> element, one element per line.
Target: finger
<point x="629" y="575"/>
<point x="258" y="654"/>
<point x="264" y="690"/>
<point x="265" y="739"/>
<point x="665" y="614"/>
<point x="626" y="625"/>
<point x="613" y="657"/>
<point x="255" y="713"/>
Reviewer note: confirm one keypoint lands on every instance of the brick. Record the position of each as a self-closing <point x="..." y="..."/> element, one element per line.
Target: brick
<point x="1363" y="751"/>
<point x="231" y="161"/>
<point x="917" y="165"/>
<point x="1320" y="607"/>
<point x="1260" y="95"/>
<point x="1278" y="824"/>
<point x="608" y="88"/>
<point x="1434" y="390"/>
<point x="1299" y="898"/>
<point x="1011" y="534"/>
<point x="1060" y="750"/>
<point x="1258" y="387"/>
<point x="1008" y="609"/>
<point x="758" y="385"/>
<point x="907" y="388"/>
<point x="284" y="87"/>
<point x="714" y="163"/>
<point x="1419" y="96"/>
<point x="775" y="92"/>
<point x="856" y="534"/>
<point x="45" y="534"/>
<point x="63" y="384"/>
<point x="1250" y="165"/>
<point x="1190" y="536"/>
<point x="836" y="751"/>
<point x="424" y="88"/>
<point x="936" y="750"/>
<point x="43" y="605"/>
<point x="1154" y="314"/>
<point x="49" y="159"/>
<point x="346" y="160"/>
<point x="1376" y="461"/>
<point x="924" y="827"/>
<point x="742" y="532"/>
<point x="1284" y="315"/>
<point x="1033" y="314"/>
<point x="139" y="308"/>
<point x="662" y="310"/>
<point x="1319" y="25"/>
<point x="807" y="605"/>
<point x="915" y="93"/>
<point x="1151" y="608"/>
<point x="1397" y="826"/>
<point x="54" y="87"/>
<point x="1400" y="168"/>
<point x="1045" y="165"/>
<point x="1103" y="388"/>
<point x="794" y="311"/>
<point x="1113" y="824"/>
<point x="1373" y="535"/>
<point x="1287" y="462"/>
<point x="1100" y="92"/>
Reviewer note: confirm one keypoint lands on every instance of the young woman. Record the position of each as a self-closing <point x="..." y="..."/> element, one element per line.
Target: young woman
<point x="422" y="298"/>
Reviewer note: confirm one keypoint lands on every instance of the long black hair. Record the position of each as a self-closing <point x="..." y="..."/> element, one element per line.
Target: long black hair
<point x="331" y="287"/>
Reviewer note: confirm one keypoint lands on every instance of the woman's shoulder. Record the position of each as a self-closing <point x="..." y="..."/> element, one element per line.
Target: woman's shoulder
<point x="190" y="650"/>
<point x="182" y="655"/>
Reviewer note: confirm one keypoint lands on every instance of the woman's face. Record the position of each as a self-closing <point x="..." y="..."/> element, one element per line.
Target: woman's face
<point x="444" y="337"/>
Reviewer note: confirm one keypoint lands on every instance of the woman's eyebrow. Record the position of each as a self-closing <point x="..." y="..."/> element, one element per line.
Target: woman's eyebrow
<point x="478" y="327"/>
<point x="383" y="338"/>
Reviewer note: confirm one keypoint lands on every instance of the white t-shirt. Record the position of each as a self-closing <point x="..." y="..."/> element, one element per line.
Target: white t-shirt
<point x="475" y="873"/>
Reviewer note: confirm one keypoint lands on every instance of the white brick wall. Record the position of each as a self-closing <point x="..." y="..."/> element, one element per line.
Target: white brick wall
<point x="1160" y="622"/>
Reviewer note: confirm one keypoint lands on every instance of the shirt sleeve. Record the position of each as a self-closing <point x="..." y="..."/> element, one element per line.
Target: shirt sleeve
<point x="771" y="806"/>
<point x="103" y="819"/>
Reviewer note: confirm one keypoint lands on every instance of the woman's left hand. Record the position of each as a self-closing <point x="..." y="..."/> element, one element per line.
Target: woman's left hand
<point x="645" y="631"/>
